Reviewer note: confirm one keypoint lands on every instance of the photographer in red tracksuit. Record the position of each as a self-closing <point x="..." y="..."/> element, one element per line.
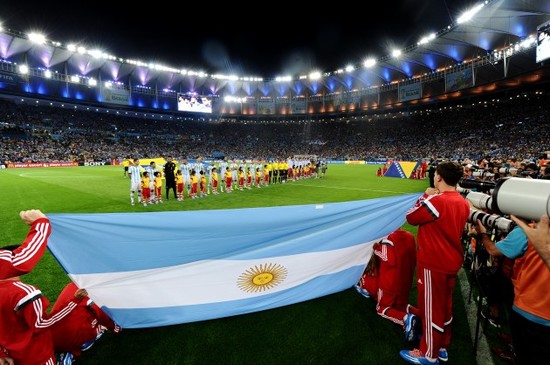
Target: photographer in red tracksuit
<point x="81" y="328"/>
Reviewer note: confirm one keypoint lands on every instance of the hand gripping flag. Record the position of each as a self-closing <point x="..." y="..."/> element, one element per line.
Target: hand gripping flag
<point x="164" y="268"/>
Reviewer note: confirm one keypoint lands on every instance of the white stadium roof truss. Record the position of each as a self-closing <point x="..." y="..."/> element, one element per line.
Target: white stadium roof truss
<point x="499" y="24"/>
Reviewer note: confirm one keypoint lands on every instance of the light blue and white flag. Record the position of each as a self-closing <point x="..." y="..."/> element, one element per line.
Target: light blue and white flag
<point x="165" y="268"/>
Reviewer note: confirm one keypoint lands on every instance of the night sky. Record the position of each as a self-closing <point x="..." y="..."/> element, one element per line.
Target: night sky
<point x="259" y="39"/>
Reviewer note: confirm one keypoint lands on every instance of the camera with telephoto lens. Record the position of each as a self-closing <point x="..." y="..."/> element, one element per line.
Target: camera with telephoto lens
<point x="509" y="170"/>
<point x="462" y="191"/>
<point x="480" y="200"/>
<point x="491" y="221"/>
<point x="526" y="198"/>
<point x="482" y="173"/>
<point x="479" y="185"/>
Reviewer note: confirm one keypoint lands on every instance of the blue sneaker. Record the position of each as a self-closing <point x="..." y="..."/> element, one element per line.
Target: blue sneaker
<point x="443" y="355"/>
<point x="86" y="345"/>
<point x="416" y="357"/>
<point x="64" y="358"/>
<point x="362" y="291"/>
<point x="410" y="327"/>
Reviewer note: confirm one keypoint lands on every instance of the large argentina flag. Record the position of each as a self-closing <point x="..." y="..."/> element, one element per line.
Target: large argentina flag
<point x="165" y="268"/>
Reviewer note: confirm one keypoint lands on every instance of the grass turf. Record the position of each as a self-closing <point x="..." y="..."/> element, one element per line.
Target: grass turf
<point x="342" y="328"/>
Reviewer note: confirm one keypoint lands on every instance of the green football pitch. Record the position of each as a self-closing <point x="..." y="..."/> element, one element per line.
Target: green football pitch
<point x="341" y="328"/>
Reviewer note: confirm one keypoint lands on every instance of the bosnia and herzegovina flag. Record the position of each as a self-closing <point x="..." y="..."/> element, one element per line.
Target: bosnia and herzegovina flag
<point x="164" y="268"/>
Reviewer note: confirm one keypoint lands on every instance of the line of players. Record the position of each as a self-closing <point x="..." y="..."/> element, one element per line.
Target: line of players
<point x="196" y="180"/>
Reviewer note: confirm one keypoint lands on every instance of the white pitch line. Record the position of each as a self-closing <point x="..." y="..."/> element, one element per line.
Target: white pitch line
<point x="64" y="177"/>
<point x="357" y="189"/>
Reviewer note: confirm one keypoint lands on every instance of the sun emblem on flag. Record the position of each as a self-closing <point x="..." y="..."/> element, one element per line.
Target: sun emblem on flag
<point x="262" y="277"/>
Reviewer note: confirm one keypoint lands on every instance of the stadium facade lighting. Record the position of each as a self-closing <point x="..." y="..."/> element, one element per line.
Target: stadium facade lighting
<point x="23" y="69"/>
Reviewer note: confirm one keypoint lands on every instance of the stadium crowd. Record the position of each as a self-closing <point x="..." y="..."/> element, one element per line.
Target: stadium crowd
<point x="512" y="126"/>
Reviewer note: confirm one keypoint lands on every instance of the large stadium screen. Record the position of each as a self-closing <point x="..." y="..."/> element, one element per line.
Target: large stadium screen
<point x="191" y="102"/>
<point x="543" y="42"/>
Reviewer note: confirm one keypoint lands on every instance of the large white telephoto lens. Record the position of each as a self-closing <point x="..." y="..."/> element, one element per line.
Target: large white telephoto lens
<point x="480" y="200"/>
<point x="522" y="197"/>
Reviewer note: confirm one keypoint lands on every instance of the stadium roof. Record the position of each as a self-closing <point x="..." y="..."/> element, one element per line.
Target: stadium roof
<point x="498" y="24"/>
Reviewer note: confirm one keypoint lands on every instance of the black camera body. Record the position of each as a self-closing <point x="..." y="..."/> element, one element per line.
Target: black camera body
<point x="479" y="185"/>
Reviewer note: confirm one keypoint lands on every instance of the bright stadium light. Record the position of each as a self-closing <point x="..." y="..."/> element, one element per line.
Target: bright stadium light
<point x="81" y="50"/>
<point x="283" y="78"/>
<point x="316" y="75"/>
<point x="527" y="43"/>
<point x="396" y="53"/>
<point x="427" y="39"/>
<point x="469" y="14"/>
<point x="370" y="62"/>
<point x="24" y="69"/>
<point x="350" y="68"/>
<point x="48" y="74"/>
<point x="95" y="53"/>
<point x="37" y="38"/>
<point x="71" y="47"/>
